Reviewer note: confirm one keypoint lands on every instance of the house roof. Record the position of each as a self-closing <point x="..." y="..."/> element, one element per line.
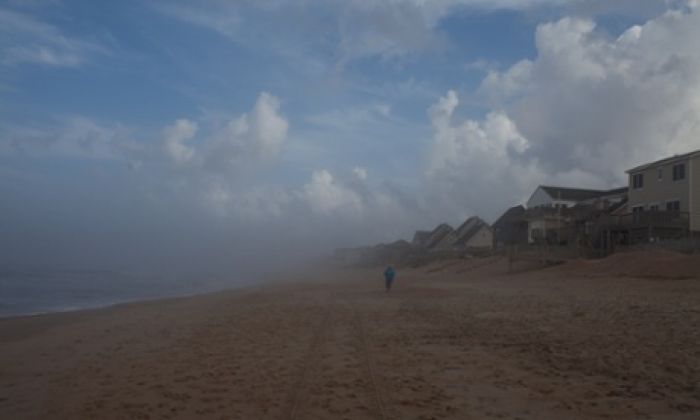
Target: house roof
<point x="471" y="221"/>
<point x="509" y="215"/>
<point x="420" y="236"/>
<point x="469" y="229"/>
<point x="460" y="236"/>
<point x="616" y="191"/>
<point x="665" y="161"/>
<point x="578" y="194"/>
<point x="571" y="194"/>
<point x="437" y="235"/>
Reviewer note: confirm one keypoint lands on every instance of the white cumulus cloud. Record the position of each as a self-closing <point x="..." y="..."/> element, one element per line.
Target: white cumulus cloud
<point x="325" y="195"/>
<point x="175" y="137"/>
<point x="476" y="166"/>
<point x="602" y="105"/>
<point x="582" y="111"/>
<point x="259" y="134"/>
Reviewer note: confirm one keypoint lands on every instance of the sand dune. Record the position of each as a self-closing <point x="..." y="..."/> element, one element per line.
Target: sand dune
<point x="454" y="340"/>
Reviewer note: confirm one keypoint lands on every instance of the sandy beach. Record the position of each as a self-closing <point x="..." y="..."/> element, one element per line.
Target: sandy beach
<point x="453" y="340"/>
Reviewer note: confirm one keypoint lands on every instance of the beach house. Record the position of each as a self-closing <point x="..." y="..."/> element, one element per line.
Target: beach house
<point x="473" y="234"/>
<point x="552" y="211"/>
<point x="426" y="241"/>
<point x="510" y="228"/>
<point x="667" y="191"/>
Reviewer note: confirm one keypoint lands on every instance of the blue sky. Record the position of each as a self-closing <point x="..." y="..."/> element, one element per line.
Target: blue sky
<point x="325" y="122"/>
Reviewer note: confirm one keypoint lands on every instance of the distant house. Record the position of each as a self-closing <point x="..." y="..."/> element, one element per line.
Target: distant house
<point x="420" y="238"/>
<point x="545" y="224"/>
<point x="670" y="185"/>
<point x="510" y="228"/>
<point x="472" y="234"/>
<point x="429" y="241"/>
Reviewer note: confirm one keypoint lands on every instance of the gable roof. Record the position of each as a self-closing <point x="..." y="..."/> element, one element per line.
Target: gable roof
<point x="577" y="194"/>
<point x="664" y="161"/>
<point x="420" y="237"/>
<point x="459" y="237"/>
<point x="509" y="216"/>
<point x="469" y="229"/>
<point x="615" y="191"/>
<point x="467" y="225"/>
<point x="437" y="235"/>
<point x="571" y="194"/>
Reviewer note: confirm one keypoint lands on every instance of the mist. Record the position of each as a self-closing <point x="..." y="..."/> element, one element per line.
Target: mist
<point x="189" y="142"/>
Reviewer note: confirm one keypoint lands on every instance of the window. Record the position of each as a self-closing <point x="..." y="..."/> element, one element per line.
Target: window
<point x="679" y="172"/>
<point x="674" y="205"/>
<point x="660" y="174"/>
<point x="637" y="181"/>
<point x="637" y="213"/>
<point x="536" y="234"/>
<point x="654" y="207"/>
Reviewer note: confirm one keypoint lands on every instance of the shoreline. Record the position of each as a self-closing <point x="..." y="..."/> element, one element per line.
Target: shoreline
<point x="450" y="341"/>
<point x="112" y="304"/>
<point x="117" y="302"/>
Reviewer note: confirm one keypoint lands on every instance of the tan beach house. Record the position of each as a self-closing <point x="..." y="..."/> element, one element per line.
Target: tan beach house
<point x="474" y="233"/>
<point x="669" y="187"/>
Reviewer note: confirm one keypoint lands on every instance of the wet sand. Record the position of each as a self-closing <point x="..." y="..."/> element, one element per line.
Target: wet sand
<point x="455" y="340"/>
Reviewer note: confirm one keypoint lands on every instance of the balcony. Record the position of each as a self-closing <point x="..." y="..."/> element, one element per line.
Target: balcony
<point x="662" y="219"/>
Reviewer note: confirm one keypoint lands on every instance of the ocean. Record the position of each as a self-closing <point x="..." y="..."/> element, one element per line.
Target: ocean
<point x="29" y="292"/>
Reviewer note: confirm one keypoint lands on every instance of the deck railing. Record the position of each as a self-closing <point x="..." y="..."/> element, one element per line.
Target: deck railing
<point x="661" y="218"/>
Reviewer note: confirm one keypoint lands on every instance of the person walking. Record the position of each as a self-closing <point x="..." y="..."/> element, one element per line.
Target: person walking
<point x="389" y="275"/>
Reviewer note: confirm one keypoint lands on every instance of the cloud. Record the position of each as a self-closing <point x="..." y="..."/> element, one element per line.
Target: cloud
<point x="259" y="134"/>
<point x="360" y="173"/>
<point x="580" y="113"/>
<point x="388" y="29"/>
<point x="267" y="129"/>
<point x="325" y="196"/>
<point x="240" y="142"/>
<point x="254" y="204"/>
<point x="499" y="86"/>
<point x="603" y="105"/>
<point x="175" y="137"/>
<point x="326" y="209"/>
<point x="475" y="167"/>
<point x="222" y="17"/>
<point x="352" y="29"/>
<point x="25" y="39"/>
<point x="351" y="118"/>
<point x="75" y="136"/>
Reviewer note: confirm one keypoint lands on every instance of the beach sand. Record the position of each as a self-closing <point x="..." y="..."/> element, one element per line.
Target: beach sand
<point x="453" y="340"/>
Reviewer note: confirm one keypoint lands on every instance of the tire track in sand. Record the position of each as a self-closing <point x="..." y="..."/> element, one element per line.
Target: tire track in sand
<point x="299" y="393"/>
<point x="369" y="367"/>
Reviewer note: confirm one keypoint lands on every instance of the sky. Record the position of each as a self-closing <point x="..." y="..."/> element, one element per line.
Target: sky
<point x="216" y="135"/>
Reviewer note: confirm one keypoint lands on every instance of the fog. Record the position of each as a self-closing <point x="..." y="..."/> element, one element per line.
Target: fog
<point x="226" y="141"/>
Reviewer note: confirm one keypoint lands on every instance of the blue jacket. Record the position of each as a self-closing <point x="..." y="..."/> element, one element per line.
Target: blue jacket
<point x="389" y="273"/>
